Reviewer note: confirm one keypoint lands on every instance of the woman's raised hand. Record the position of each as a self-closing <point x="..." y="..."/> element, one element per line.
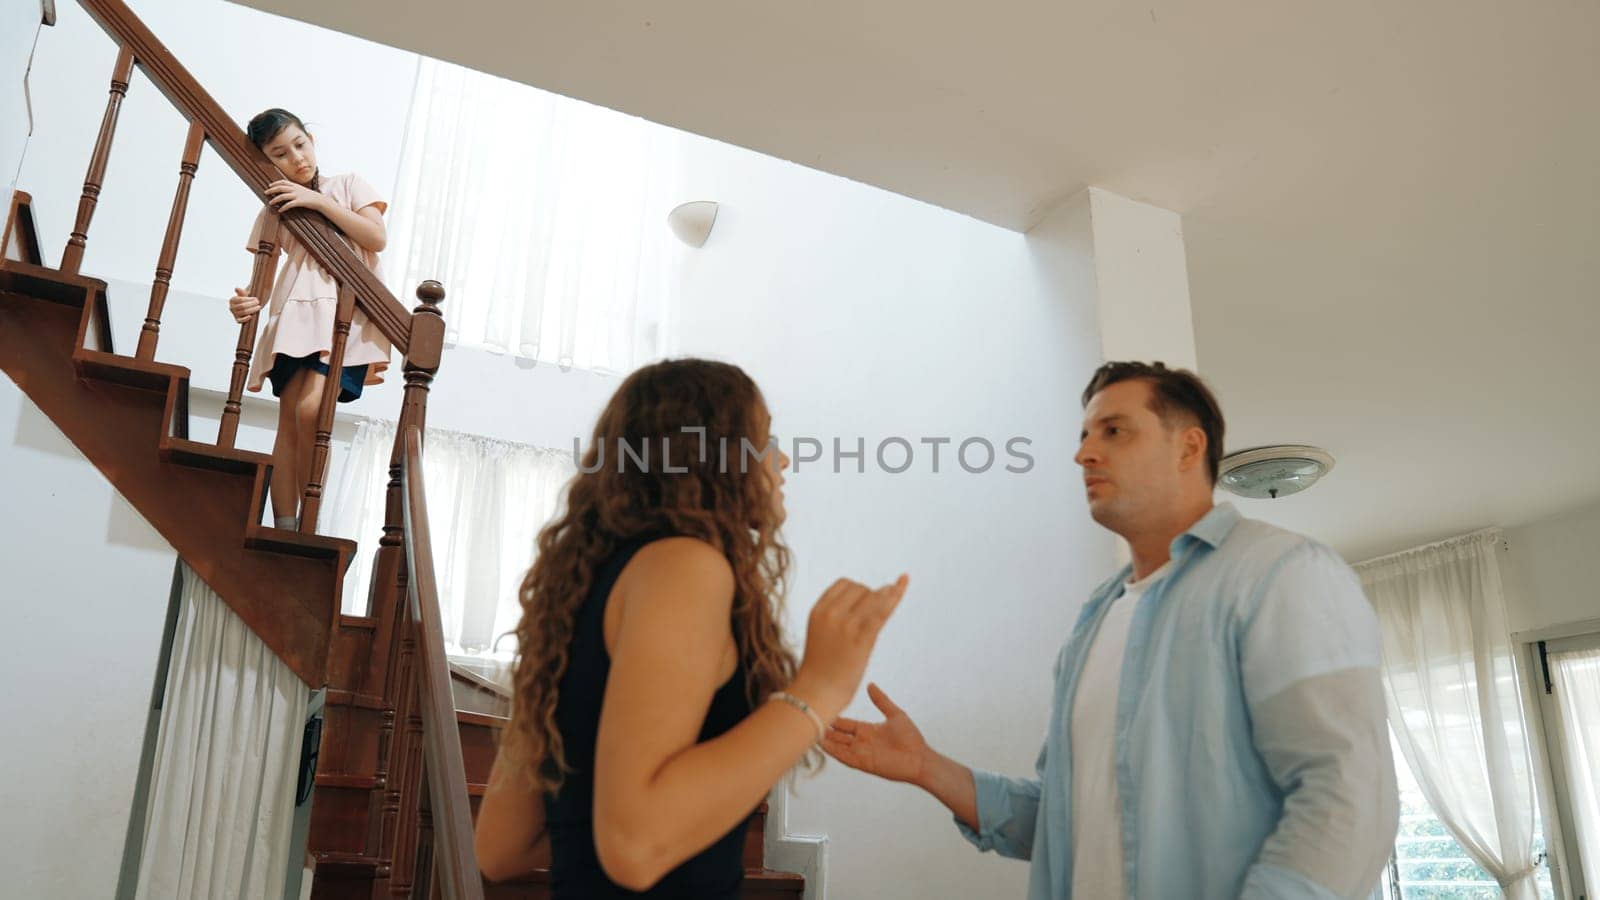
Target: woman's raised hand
<point x="843" y="629"/>
<point x="892" y="749"/>
<point x="243" y="306"/>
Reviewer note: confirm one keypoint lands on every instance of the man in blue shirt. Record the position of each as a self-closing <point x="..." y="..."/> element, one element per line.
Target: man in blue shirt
<point x="1218" y="726"/>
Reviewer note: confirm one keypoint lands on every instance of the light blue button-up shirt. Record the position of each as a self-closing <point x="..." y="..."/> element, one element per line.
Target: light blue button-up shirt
<point x="1252" y="754"/>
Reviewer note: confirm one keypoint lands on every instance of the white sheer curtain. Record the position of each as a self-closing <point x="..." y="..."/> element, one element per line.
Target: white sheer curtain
<point x="543" y="216"/>
<point x="487" y="500"/>
<point x="1577" y="677"/>
<point x="1454" y="704"/>
<point x="221" y="809"/>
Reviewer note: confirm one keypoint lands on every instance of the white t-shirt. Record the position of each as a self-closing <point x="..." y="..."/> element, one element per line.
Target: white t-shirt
<point x="1097" y="864"/>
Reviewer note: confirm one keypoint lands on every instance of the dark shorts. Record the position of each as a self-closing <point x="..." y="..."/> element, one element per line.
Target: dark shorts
<point x="351" y="379"/>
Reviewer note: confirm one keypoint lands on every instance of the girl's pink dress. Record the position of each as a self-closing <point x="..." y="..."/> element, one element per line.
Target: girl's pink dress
<point x="305" y="297"/>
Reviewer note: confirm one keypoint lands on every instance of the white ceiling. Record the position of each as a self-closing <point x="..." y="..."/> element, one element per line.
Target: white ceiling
<point x="1391" y="209"/>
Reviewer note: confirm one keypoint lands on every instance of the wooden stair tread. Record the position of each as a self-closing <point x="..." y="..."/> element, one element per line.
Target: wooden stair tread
<point x="484" y="720"/>
<point x="139" y="373"/>
<point x="297" y="543"/>
<point x="46" y="283"/>
<point x="210" y="456"/>
<point x="356" y="782"/>
<point x="73" y="291"/>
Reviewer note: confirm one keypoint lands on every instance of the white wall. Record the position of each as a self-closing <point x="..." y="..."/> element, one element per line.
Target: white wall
<point x="86" y="583"/>
<point x="864" y="314"/>
<point x="1552" y="573"/>
<point x="20" y="23"/>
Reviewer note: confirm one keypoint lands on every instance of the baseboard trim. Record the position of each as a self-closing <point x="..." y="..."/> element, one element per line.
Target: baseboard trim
<point x="806" y="854"/>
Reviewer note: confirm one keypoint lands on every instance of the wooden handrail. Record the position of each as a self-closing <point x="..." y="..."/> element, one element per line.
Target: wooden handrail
<point x="451" y="811"/>
<point x="231" y="144"/>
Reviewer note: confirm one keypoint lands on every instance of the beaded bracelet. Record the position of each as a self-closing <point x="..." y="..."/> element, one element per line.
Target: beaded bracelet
<point x="797" y="703"/>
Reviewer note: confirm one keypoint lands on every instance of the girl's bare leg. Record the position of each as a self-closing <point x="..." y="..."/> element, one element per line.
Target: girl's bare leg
<point x="306" y="423"/>
<point x="285" y="453"/>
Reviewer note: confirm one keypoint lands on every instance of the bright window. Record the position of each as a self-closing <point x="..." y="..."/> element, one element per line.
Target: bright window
<point x="1431" y="864"/>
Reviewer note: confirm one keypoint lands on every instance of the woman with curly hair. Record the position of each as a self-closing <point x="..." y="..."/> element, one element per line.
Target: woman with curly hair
<point x="655" y="702"/>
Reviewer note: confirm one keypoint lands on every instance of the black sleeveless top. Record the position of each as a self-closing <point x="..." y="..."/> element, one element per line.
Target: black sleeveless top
<point x="575" y="873"/>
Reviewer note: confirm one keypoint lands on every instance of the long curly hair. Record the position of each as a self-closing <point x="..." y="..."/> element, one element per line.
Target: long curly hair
<point x="692" y="483"/>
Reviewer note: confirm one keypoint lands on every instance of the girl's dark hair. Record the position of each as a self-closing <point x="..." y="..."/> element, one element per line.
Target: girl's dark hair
<point x="267" y="125"/>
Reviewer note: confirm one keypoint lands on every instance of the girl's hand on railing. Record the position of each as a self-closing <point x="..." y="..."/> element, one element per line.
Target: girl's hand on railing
<point x="243" y="306"/>
<point x="284" y="194"/>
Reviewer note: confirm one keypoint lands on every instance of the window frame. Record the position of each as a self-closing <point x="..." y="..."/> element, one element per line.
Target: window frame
<point x="1550" y="750"/>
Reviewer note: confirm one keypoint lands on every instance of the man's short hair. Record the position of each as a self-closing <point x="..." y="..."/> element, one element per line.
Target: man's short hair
<point x="1178" y="396"/>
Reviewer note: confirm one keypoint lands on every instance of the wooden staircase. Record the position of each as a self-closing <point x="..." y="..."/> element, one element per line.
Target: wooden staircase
<point x="400" y="768"/>
<point x="131" y="419"/>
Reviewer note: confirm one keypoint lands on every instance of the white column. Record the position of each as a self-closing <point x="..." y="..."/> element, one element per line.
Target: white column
<point x="1130" y="257"/>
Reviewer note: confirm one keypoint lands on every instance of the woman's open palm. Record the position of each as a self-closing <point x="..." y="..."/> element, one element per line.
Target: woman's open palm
<point x="893" y="749"/>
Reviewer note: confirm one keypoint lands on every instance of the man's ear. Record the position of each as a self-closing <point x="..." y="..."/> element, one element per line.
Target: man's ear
<point x="1192" y="441"/>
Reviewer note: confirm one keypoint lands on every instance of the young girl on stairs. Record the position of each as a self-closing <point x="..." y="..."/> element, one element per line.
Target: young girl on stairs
<point x="293" y="349"/>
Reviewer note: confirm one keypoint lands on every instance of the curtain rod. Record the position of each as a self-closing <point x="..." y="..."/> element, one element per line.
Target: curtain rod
<point x="1493" y="530"/>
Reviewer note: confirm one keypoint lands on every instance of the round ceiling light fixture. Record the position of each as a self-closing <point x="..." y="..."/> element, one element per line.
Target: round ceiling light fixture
<point x="1267" y="473"/>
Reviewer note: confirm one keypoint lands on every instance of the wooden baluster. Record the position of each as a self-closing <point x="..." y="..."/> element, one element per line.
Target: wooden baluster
<point x="388" y="565"/>
<point x="422" y="361"/>
<point x="402" y="864"/>
<point x="72" y="257"/>
<point x="311" y="505"/>
<point x="382" y="824"/>
<point x="404" y="747"/>
<point x="423" y="873"/>
<point x="403" y="782"/>
<point x="393" y="752"/>
<point x="388" y="601"/>
<point x="422" y="357"/>
<point x="401" y="800"/>
<point x="262" y="273"/>
<point x="169" y="246"/>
